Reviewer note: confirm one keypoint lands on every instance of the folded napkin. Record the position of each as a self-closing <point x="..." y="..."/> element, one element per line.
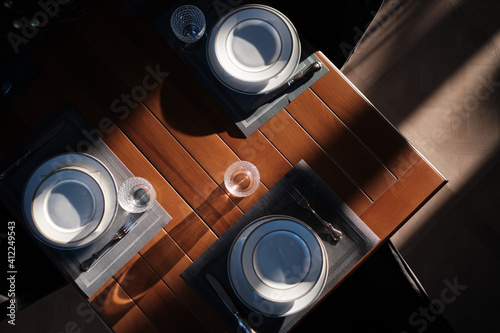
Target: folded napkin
<point x="342" y="256"/>
<point x="238" y="106"/>
<point x="77" y="136"/>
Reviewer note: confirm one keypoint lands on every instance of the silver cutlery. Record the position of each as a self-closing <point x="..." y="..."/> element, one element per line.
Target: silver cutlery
<point x="221" y="292"/>
<point x="273" y="94"/>
<point x="124" y="230"/>
<point x="4" y="89"/>
<point x="34" y="147"/>
<point x="304" y="203"/>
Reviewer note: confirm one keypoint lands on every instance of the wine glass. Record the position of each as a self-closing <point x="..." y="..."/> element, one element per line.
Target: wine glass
<point x="242" y="178"/>
<point x="188" y="23"/>
<point x="136" y="195"/>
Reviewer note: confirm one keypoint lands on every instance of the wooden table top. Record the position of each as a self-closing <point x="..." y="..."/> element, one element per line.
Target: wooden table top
<point x="178" y="138"/>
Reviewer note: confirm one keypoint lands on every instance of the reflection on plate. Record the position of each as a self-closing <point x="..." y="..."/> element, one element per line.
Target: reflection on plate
<point x="69" y="201"/>
<point x="277" y="265"/>
<point x="68" y="206"/>
<point x="253" y="49"/>
<point x="281" y="261"/>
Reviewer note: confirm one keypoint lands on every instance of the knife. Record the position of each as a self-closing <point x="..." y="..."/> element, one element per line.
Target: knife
<point x="221" y="292"/>
<point x="270" y="96"/>
<point x="34" y="147"/>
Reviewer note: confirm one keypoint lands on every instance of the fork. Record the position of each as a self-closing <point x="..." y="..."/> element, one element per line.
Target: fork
<point x="304" y="203"/>
<point x="4" y="89"/>
<point x="124" y="230"/>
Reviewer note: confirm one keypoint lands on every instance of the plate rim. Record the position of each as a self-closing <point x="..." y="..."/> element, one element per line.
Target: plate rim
<point x="90" y="231"/>
<point x="316" y="264"/>
<point x="259" y="87"/>
<point x="26" y="202"/>
<point x="269" y="17"/>
<point x="265" y="306"/>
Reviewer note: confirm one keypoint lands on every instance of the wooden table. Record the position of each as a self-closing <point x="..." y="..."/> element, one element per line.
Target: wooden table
<point x="182" y="141"/>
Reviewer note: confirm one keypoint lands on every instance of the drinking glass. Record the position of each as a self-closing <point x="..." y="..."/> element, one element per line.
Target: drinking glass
<point x="188" y="23"/>
<point x="242" y="178"/>
<point x="136" y="195"/>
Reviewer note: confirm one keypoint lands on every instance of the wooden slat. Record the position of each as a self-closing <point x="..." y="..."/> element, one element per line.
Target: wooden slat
<point x="338" y="141"/>
<point x="165" y="101"/>
<point x="169" y="268"/>
<point x="256" y="148"/>
<point x="186" y="224"/>
<point x="186" y="227"/>
<point x="136" y="162"/>
<point x="362" y="119"/>
<point x="59" y="87"/>
<point x="182" y="141"/>
<point x="403" y="199"/>
<point x="155" y="299"/>
<point x="295" y="144"/>
<point x="134" y="321"/>
<point x="116" y="307"/>
<point x="160" y="147"/>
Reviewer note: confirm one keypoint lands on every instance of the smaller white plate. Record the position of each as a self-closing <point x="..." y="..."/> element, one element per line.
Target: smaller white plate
<point x="253" y="44"/>
<point x="254" y="300"/>
<point x="50" y="224"/>
<point x="68" y="206"/>
<point x="253" y="49"/>
<point x="282" y="259"/>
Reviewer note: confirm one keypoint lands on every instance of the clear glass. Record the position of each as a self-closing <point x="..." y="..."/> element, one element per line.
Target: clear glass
<point x="242" y="178"/>
<point x="136" y="195"/>
<point x="188" y="23"/>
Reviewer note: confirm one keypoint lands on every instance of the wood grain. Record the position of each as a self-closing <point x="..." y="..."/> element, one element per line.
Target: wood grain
<point x="351" y="154"/>
<point x="403" y="199"/>
<point x="364" y="120"/>
<point x="177" y="136"/>
<point x="295" y="144"/>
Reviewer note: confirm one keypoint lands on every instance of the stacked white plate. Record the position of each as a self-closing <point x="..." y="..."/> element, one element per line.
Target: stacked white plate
<point x="278" y="265"/>
<point x="253" y="49"/>
<point x="70" y="200"/>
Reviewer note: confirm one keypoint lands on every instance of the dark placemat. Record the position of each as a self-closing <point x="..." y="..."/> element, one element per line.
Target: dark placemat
<point x="240" y="107"/>
<point x="357" y="241"/>
<point x="140" y="7"/>
<point x="17" y="70"/>
<point x="77" y="136"/>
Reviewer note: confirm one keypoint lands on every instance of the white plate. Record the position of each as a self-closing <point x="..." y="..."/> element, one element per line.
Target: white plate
<point x="51" y="206"/>
<point x="68" y="206"/>
<point x="255" y="300"/>
<point x="253" y="49"/>
<point x="282" y="259"/>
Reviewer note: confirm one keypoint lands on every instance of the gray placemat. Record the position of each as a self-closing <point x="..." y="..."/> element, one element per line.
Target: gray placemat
<point x="357" y="241"/>
<point x="77" y="136"/>
<point x="240" y="107"/>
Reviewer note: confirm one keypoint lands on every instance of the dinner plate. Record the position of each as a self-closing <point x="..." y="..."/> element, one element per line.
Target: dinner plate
<point x="67" y="206"/>
<point x="70" y="200"/>
<point x="282" y="259"/>
<point x="255" y="300"/>
<point x="253" y="49"/>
